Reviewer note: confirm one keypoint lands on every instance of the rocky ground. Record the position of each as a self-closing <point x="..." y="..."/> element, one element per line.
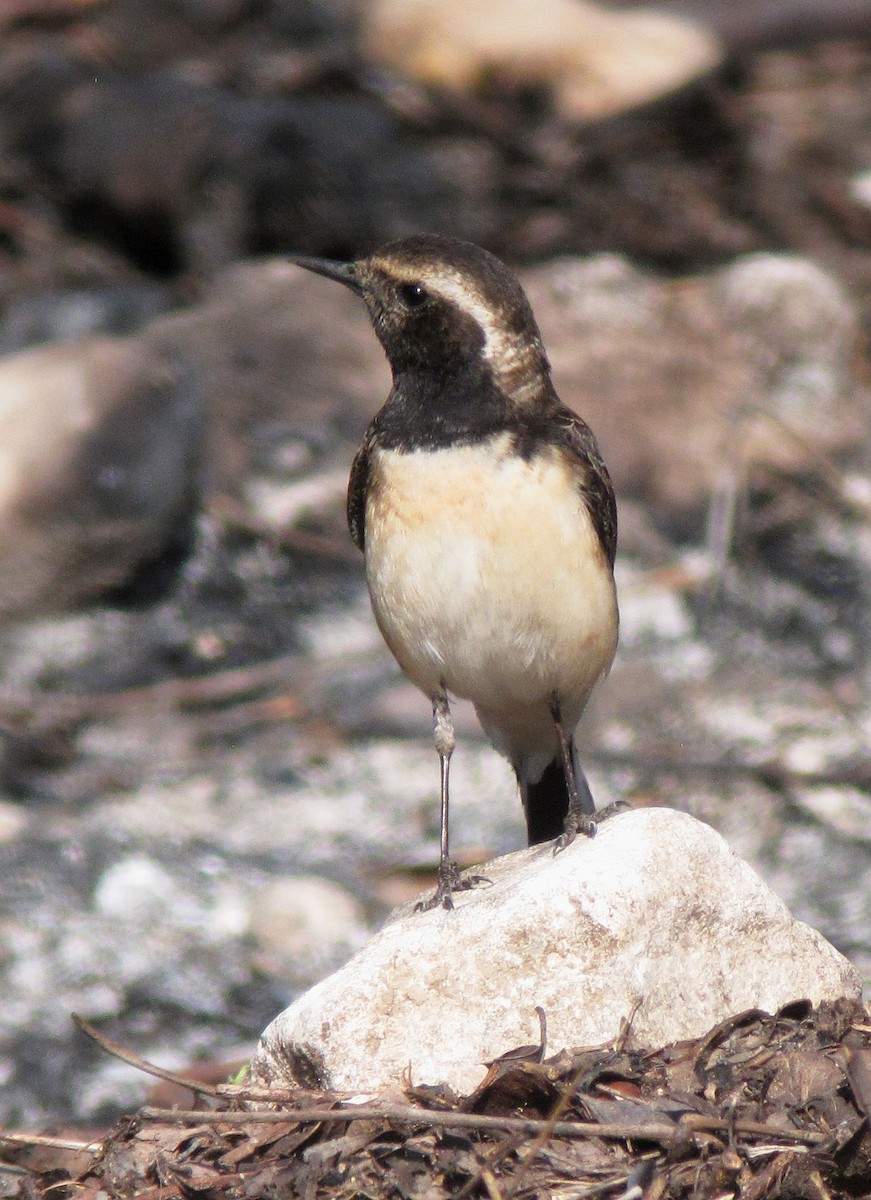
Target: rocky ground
<point x="214" y="781"/>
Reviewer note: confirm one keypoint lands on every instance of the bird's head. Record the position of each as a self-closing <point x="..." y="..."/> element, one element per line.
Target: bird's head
<point x="444" y="306"/>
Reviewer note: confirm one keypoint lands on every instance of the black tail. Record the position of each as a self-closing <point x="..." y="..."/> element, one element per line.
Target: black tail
<point x="546" y="803"/>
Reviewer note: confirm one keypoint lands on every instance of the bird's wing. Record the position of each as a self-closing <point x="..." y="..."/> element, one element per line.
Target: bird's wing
<point x="357" y="488"/>
<point x="596" y="488"/>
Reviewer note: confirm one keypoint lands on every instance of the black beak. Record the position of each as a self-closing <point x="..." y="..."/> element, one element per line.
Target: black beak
<point x="342" y="272"/>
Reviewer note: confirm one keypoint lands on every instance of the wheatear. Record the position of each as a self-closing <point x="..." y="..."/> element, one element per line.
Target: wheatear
<point x="487" y="520"/>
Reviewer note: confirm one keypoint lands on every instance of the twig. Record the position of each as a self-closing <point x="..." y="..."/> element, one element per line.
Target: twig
<point x="118" y="1051"/>
<point x="57" y="1143"/>
<point x="409" y="1115"/>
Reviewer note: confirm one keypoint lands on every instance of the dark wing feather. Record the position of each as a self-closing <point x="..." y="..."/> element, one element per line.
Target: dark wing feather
<point x="595" y="482"/>
<point x="358" y="486"/>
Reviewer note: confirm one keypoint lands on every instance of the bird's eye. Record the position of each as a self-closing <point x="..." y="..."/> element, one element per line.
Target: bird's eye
<point x="413" y="295"/>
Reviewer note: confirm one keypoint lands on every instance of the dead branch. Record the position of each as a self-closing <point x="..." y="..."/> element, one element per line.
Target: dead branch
<point x="56" y="1143"/>
<point x="405" y="1114"/>
<point x="121" y="1052"/>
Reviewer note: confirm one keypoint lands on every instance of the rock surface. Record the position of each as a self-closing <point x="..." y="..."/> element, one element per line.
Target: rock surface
<point x="748" y="369"/>
<point x="99" y="442"/>
<point x="654" y="921"/>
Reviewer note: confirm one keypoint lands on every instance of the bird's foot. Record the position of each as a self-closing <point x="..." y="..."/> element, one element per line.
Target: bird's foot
<point x="580" y="822"/>
<point x="576" y="822"/>
<point x="450" y="880"/>
<point x="611" y="810"/>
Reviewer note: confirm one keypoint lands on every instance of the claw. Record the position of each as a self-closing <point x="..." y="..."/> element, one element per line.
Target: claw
<point x="450" y="881"/>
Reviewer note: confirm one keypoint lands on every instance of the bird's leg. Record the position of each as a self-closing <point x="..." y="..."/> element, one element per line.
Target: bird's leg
<point x="445" y="741"/>
<point x="449" y="877"/>
<point x="581" y="804"/>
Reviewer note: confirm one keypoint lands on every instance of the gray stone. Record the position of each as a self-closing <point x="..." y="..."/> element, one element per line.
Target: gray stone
<point x="654" y="921"/>
<point x="98" y="442"/>
<point x="752" y="365"/>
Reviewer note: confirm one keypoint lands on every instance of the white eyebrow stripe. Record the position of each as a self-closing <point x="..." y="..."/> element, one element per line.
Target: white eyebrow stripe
<point x="466" y="297"/>
<point x="512" y="358"/>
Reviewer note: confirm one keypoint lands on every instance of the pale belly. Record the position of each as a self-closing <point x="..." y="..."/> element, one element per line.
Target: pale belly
<point x="488" y="581"/>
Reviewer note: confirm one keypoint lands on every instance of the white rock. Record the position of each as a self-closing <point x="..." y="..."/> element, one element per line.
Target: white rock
<point x="653" y="920"/>
<point x="596" y="62"/>
<point x="307" y="917"/>
<point x="136" y="888"/>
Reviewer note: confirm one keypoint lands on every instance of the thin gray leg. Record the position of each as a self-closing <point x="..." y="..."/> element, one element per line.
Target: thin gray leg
<point x="445" y="741"/>
<point x="449" y="878"/>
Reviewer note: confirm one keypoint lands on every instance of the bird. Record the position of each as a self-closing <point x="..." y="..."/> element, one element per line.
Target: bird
<point x="487" y="520"/>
